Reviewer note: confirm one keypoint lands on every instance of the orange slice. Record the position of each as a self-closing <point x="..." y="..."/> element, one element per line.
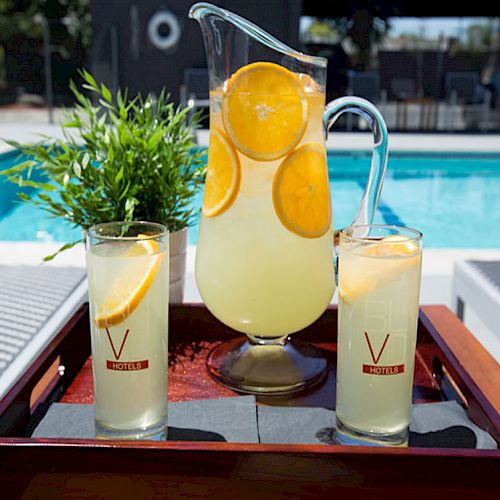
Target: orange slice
<point x="394" y="245"/>
<point x="264" y="110"/>
<point x="399" y="251"/>
<point x="223" y="175"/>
<point x="301" y="193"/>
<point x="127" y="290"/>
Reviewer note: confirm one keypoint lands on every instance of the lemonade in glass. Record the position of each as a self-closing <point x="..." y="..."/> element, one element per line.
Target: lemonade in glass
<point x="128" y="279"/>
<point x="379" y="284"/>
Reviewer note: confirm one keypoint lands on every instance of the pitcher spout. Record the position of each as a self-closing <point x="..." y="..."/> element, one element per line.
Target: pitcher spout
<point x="203" y="10"/>
<point x="232" y="41"/>
<point x="199" y="10"/>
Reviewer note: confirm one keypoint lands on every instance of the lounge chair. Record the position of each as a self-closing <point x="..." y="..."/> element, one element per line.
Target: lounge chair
<point x="364" y="84"/>
<point x="35" y="302"/>
<point x="461" y="94"/>
<point x="476" y="285"/>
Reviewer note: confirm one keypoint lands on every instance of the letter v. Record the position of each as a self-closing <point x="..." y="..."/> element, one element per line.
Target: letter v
<point x="117" y="356"/>
<point x="376" y="359"/>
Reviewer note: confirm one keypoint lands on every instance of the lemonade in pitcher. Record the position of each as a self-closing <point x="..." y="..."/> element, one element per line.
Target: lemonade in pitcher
<point x="265" y="255"/>
<point x="264" y="261"/>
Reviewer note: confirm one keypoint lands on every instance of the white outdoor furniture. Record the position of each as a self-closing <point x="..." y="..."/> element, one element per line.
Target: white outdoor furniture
<point x="476" y="285"/>
<point x="461" y="88"/>
<point x="35" y="303"/>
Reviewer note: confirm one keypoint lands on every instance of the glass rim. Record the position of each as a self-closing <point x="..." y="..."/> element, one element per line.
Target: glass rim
<point x="417" y="235"/>
<point x="92" y="231"/>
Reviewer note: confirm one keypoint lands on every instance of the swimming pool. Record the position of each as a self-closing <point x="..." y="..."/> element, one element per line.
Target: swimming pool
<point x="453" y="198"/>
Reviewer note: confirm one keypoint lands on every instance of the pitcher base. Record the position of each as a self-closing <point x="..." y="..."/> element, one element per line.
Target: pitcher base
<point x="279" y="369"/>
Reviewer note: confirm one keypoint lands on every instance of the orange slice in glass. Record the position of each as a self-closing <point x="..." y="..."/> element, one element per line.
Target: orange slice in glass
<point x="395" y="245"/>
<point x="399" y="253"/>
<point x="301" y="193"/>
<point x="223" y="174"/>
<point x="127" y="291"/>
<point x="264" y="110"/>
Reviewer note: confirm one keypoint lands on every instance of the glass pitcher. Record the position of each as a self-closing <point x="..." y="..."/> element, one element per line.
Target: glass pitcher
<point x="265" y="254"/>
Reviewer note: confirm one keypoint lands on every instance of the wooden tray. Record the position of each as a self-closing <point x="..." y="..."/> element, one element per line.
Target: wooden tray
<point x="450" y="363"/>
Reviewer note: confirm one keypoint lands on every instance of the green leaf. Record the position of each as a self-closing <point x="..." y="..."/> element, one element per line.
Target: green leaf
<point x="39" y="185"/>
<point x="119" y="175"/>
<point x="14" y="170"/>
<point x="106" y="93"/>
<point x="77" y="169"/>
<point x="66" y="246"/>
<point x="85" y="160"/>
<point x="88" y="78"/>
<point x="125" y="191"/>
<point x="43" y="197"/>
<point x="123" y="113"/>
<point x="156" y="138"/>
<point x="76" y="123"/>
<point x="101" y="121"/>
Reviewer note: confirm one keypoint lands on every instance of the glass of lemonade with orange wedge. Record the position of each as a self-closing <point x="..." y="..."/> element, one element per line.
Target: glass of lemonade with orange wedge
<point x="128" y="280"/>
<point x="379" y="284"/>
<point x="264" y="261"/>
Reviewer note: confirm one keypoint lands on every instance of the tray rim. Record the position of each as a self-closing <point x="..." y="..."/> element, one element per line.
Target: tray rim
<point x="267" y="448"/>
<point x="426" y="316"/>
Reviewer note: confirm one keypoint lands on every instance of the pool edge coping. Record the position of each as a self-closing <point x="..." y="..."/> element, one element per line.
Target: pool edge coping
<point x="443" y="142"/>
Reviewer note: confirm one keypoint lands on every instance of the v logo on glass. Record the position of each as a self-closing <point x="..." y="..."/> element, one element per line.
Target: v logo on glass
<point x="123" y="366"/>
<point x="376" y="359"/>
<point x="117" y="356"/>
<point x="375" y="369"/>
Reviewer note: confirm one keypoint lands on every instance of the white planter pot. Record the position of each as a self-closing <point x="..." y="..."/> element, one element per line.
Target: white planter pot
<point x="178" y="252"/>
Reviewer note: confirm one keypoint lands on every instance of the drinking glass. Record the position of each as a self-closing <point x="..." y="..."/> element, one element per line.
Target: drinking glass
<point x="379" y="284"/>
<point x="128" y="280"/>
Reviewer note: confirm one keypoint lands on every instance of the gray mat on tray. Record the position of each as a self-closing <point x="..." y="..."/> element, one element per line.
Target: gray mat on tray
<point x="443" y="425"/>
<point x="236" y="420"/>
<point x="228" y="419"/>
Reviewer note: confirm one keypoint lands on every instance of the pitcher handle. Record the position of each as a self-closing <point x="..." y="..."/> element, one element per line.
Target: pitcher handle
<point x="365" y="109"/>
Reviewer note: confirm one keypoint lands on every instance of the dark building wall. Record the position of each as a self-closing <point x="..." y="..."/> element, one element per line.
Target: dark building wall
<point x="142" y="67"/>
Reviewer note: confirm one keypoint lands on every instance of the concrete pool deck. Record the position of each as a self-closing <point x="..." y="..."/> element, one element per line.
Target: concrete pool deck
<point x="443" y="142"/>
<point x="438" y="264"/>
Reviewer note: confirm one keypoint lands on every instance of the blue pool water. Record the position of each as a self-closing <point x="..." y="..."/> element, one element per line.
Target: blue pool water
<point x="454" y="199"/>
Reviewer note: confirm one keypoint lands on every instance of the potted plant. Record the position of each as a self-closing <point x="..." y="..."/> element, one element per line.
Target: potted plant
<point x="120" y="159"/>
